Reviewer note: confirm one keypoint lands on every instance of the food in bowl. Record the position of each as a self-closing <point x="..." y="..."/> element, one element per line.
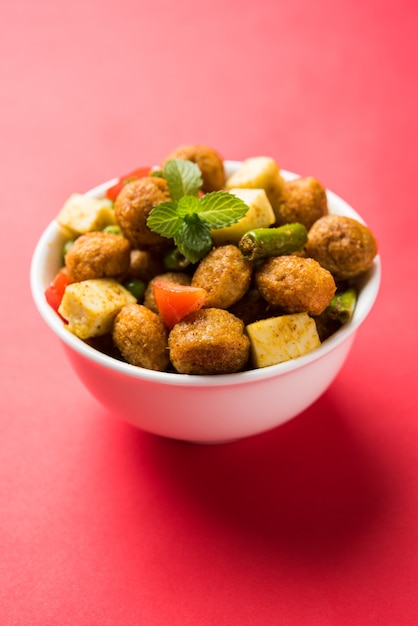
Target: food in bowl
<point x="199" y="408"/>
<point x="188" y="270"/>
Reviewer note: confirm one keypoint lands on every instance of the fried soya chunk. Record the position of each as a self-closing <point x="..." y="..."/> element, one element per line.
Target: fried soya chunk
<point x="209" y="162"/>
<point x="295" y="284"/>
<point x="133" y="205"/>
<point x="342" y="245"/>
<point x="141" y="337"/>
<point x="209" y="341"/>
<point x="144" y="265"/>
<point x="253" y="307"/>
<point x="172" y="277"/>
<point x="97" y="255"/>
<point x="225" y="275"/>
<point x="304" y="200"/>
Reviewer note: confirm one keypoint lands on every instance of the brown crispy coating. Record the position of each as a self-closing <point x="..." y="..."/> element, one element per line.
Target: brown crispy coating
<point x="209" y="341"/>
<point x="145" y="264"/>
<point x="253" y="307"/>
<point x="295" y="284"/>
<point x="209" y="162"/>
<point x="303" y="200"/>
<point x="141" y="337"/>
<point x="97" y="255"/>
<point x="225" y="275"/>
<point x="133" y="205"/>
<point x="171" y="277"/>
<point x="342" y="245"/>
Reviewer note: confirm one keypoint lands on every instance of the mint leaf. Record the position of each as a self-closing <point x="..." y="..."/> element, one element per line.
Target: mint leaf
<point x="220" y="208"/>
<point x="188" y="205"/>
<point x="193" y="238"/>
<point x="189" y="219"/>
<point x="183" y="178"/>
<point x="164" y="219"/>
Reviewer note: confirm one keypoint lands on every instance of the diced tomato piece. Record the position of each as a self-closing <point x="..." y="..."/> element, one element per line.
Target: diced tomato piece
<point x="140" y="172"/>
<point x="175" y="301"/>
<point x="55" y="290"/>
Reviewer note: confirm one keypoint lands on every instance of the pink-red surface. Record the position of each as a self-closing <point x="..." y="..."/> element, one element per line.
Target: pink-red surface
<point x="313" y="523"/>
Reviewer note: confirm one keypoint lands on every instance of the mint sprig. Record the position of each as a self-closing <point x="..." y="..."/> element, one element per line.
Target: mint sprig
<point x="183" y="178"/>
<point x="189" y="219"/>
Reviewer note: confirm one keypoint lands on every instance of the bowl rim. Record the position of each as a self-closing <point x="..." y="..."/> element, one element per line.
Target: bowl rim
<point x="368" y="294"/>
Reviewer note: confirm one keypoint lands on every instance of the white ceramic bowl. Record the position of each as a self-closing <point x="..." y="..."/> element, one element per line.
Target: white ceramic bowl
<point x="204" y="409"/>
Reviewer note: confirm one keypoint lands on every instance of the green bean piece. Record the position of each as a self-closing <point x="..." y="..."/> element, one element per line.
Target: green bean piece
<point x="342" y="305"/>
<point x="136" y="287"/>
<point x="265" y="242"/>
<point x="175" y="261"/>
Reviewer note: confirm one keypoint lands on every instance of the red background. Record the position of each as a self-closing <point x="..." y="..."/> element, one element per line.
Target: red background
<point x="313" y="523"/>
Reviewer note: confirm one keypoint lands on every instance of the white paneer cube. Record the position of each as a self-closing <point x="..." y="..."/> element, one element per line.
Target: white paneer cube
<point x="259" y="173"/>
<point x="90" y="306"/>
<point x="278" y="339"/>
<point x="259" y="215"/>
<point x="81" y="214"/>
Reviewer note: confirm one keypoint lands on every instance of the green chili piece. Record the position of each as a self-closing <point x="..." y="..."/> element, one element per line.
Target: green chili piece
<point x="342" y="305"/>
<point x="265" y="242"/>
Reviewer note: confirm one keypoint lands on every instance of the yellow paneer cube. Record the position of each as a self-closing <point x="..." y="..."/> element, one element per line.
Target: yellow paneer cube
<point x="259" y="173"/>
<point x="259" y="215"/>
<point x="81" y="214"/>
<point x="90" y="306"/>
<point x="278" y="339"/>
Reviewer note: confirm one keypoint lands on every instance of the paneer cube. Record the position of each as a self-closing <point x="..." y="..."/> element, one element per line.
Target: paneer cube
<point x="259" y="173"/>
<point x="259" y="215"/>
<point x="278" y="339"/>
<point x="90" y="306"/>
<point x="81" y="214"/>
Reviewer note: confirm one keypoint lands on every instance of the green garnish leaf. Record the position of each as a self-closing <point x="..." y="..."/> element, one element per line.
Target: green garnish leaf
<point x="164" y="219"/>
<point x="193" y="238"/>
<point x="189" y="219"/>
<point x="219" y="209"/>
<point x="188" y="205"/>
<point x="183" y="178"/>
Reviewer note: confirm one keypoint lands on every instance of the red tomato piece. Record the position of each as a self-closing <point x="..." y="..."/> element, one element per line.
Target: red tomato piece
<point x="175" y="301"/>
<point x="140" y="172"/>
<point x="55" y="290"/>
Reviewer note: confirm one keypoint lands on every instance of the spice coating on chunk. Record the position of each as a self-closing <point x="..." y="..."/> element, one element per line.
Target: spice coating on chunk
<point x="225" y="275"/>
<point x="342" y="245"/>
<point x="141" y="337"/>
<point x="97" y="255"/>
<point x="304" y="200"/>
<point x="295" y="284"/>
<point x="209" y="162"/>
<point x="209" y="341"/>
<point x="132" y="207"/>
<point x="253" y="307"/>
<point x="144" y="265"/>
